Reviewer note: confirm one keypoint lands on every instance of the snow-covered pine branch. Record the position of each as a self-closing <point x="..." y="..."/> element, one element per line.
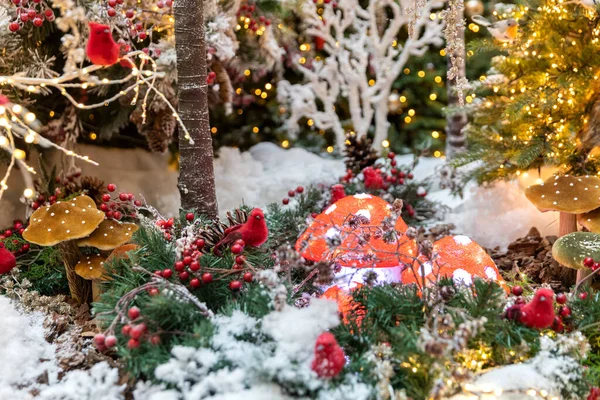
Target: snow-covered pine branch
<point x="362" y="45"/>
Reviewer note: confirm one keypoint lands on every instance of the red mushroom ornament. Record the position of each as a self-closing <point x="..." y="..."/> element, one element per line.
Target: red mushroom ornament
<point x="358" y="231"/>
<point x="7" y="260"/>
<point x="457" y="257"/>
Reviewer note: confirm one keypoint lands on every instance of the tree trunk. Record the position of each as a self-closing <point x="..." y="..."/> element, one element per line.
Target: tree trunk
<point x="456" y="140"/>
<point x="196" y="172"/>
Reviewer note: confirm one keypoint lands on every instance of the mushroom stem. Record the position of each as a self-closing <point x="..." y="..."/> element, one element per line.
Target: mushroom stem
<point x="567" y="223"/>
<point x="79" y="287"/>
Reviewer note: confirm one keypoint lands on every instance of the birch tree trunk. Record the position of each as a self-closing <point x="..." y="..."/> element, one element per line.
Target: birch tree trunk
<point x="196" y="172"/>
<point x="456" y="139"/>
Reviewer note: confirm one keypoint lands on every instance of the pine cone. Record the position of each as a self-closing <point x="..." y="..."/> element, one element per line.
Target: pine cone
<point x="159" y="129"/>
<point x="359" y="153"/>
<point x="94" y="187"/>
<point x="213" y="233"/>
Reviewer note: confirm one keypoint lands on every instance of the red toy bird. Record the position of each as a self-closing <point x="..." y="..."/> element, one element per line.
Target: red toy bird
<point x="101" y="48"/>
<point x="337" y="193"/>
<point x="329" y="356"/>
<point x="253" y="232"/>
<point x="373" y="178"/>
<point x="538" y="313"/>
<point x="7" y="260"/>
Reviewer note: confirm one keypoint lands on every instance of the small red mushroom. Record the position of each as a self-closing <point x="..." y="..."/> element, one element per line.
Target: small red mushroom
<point x="457" y="257"/>
<point x="350" y="233"/>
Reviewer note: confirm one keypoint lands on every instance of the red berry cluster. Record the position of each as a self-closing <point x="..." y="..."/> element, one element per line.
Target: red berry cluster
<point x="34" y="12"/>
<point x="250" y="11"/>
<point x="136" y="331"/>
<point x="17" y="231"/>
<point x="41" y="199"/>
<point x="188" y="265"/>
<point x="119" y="206"/>
<point x="591" y="263"/>
<point x="292" y="193"/>
<point x="166" y="225"/>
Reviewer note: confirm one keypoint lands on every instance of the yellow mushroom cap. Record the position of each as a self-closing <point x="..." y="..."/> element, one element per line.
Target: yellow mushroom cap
<point x="122" y="252"/>
<point x="569" y="194"/>
<point x="62" y="221"/>
<point x="109" y="235"/>
<point x="590" y="220"/>
<point x="90" y="267"/>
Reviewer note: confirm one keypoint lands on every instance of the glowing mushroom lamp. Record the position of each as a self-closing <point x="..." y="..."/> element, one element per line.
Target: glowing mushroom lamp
<point x="92" y="268"/>
<point x="571" y="196"/>
<point x="61" y="224"/>
<point x="349" y="233"/>
<point x="456" y="257"/>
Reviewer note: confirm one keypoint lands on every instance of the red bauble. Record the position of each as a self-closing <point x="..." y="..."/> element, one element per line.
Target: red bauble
<point x="133" y="343"/>
<point x="329" y="356"/>
<point x="583" y="295"/>
<point x="179" y="266"/>
<point x="99" y="339"/>
<point x="299" y="189"/>
<point x="195" y="266"/>
<point x="285" y="201"/>
<point x="167" y="273"/>
<point x="184" y="276"/>
<point x="110" y="341"/>
<point x="7" y="260"/>
<point x="565" y="311"/>
<point x="291" y="193"/>
<point x="126" y="330"/>
<point x="136" y="332"/>
<point x="240" y="260"/>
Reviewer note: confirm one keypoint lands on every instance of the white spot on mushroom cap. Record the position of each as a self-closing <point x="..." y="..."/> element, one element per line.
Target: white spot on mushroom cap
<point x="365" y="213"/>
<point x="462" y="277"/>
<point x="362" y="196"/>
<point x="330" y="209"/>
<point x="332" y="232"/>
<point x="462" y="240"/>
<point x="490" y="273"/>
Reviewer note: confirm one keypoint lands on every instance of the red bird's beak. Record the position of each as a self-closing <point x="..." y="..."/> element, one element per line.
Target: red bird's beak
<point x="106" y="31"/>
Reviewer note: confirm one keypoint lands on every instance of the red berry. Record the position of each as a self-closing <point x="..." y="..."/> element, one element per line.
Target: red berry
<point x="154" y="292"/>
<point x="583" y="295"/>
<point x="111" y="187"/>
<point x="187" y="260"/>
<point x="237" y="249"/>
<point x="299" y="189"/>
<point x="179" y="266"/>
<point x="393" y="163"/>
<point x="200" y="243"/>
<point x="110" y="341"/>
<point x="8" y="233"/>
<point x="595" y="266"/>
<point x="195" y="266"/>
<point x="517" y="290"/>
<point x="391" y="155"/>
<point x="133" y="313"/>
<point x="285" y="201"/>
<point x="240" y="242"/>
<point x="189" y="216"/>
<point x="136" y="332"/>
<point x="167" y="273"/>
<point x="133" y="343"/>
<point x="195" y="282"/>
<point x="137" y="203"/>
<point x="169" y="3"/>
<point x="160" y="4"/>
<point x="14" y="26"/>
<point x="248" y="277"/>
<point x="99" y="339"/>
<point x="31" y="13"/>
<point x="126" y="330"/>
<point x="155" y="340"/>
<point x="117" y="215"/>
<point x="184" y="276"/>
<point x="48" y="13"/>
<point x="207" y="277"/>
<point x="112" y="3"/>
<point x="123" y="196"/>
<point x="240" y="260"/>
<point x="235" y="285"/>
<point x="24" y="17"/>
<point x="142" y="35"/>
<point x="129" y="13"/>
<point x="35" y="205"/>
<point x="111" y="12"/>
<point x="561" y="298"/>
<point x="25" y="248"/>
<point x="38" y="22"/>
<point x="291" y="193"/>
<point x="588" y="262"/>
<point x="104" y="207"/>
<point x="565" y="311"/>
<point x="410" y="176"/>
